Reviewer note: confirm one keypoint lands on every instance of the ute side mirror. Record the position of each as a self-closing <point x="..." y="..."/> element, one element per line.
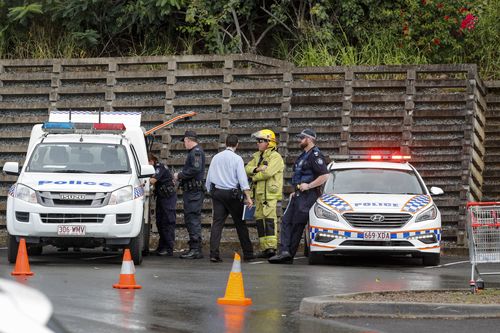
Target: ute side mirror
<point x="147" y="170"/>
<point x="11" y="168"/>
<point x="436" y="190"/>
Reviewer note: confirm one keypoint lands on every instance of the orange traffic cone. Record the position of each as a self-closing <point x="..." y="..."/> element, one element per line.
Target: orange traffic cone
<point x="22" y="263"/>
<point x="235" y="291"/>
<point x="127" y="277"/>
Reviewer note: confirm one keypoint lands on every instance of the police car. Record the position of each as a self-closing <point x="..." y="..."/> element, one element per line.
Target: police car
<point x="84" y="184"/>
<point x="375" y="204"/>
<point x="25" y="309"/>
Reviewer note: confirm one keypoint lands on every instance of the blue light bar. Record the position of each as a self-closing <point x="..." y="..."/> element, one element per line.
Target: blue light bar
<point x="57" y="126"/>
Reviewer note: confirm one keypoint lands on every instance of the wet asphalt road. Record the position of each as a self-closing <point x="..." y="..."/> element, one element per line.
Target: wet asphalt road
<point x="180" y="296"/>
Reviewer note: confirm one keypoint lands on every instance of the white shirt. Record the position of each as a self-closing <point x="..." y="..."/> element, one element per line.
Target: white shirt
<point x="227" y="171"/>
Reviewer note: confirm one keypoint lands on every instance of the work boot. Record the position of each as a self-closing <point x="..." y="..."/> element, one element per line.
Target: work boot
<point x="267" y="253"/>
<point x="283" y="258"/>
<point x="192" y="254"/>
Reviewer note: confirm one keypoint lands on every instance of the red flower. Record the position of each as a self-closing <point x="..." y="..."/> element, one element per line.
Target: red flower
<point x="469" y="22"/>
<point x="424" y="2"/>
<point x="462" y="9"/>
<point x="440" y="5"/>
<point x="446" y="17"/>
<point x="436" y="41"/>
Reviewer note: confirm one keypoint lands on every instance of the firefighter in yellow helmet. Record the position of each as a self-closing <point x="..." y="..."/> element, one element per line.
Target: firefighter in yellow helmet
<point x="266" y="172"/>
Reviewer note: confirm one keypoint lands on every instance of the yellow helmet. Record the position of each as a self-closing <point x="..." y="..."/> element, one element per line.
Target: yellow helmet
<point x="268" y="135"/>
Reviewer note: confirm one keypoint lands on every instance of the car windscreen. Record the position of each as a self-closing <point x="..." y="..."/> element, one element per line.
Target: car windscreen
<point x="79" y="158"/>
<point x="373" y="180"/>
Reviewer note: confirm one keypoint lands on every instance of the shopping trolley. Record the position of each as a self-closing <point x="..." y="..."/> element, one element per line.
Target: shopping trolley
<point x="483" y="227"/>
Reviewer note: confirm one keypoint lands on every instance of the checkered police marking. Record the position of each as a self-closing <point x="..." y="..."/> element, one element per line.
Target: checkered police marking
<point x="416" y="203"/>
<point x="359" y="235"/>
<point x="335" y="203"/>
<point x="12" y="190"/>
<point x="138" y="192"/>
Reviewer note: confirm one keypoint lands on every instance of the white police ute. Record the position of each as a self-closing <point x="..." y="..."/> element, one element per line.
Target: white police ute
<point x="84" y="184"/>
<point x="375" y="205"/>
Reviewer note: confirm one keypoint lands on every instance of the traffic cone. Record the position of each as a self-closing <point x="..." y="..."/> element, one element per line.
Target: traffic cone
<point x="235" y="291"/>
<point x="22" y="263"/>
<point x="127" y="277"/>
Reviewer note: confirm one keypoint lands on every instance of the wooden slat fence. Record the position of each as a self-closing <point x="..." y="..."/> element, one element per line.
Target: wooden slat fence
<point x="436" y="113"/>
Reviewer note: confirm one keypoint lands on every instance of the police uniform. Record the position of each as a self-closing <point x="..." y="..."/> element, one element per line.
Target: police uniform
<point x="191" y="182"/>
<point x="166" y="199"/>
<point x="309" y="166"/>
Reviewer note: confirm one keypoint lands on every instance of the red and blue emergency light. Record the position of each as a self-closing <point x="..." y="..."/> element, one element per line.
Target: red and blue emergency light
<point x="68" y="127"/>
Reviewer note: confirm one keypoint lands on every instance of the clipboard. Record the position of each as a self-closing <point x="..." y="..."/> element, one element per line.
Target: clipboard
<point x="248" y="213"/>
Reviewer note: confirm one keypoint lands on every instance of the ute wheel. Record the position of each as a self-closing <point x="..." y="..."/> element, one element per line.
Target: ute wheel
<point x="12" y="248"/>
<point x="431" y="259"/>
<point x="315" y="258"/>
<point x="136" y="245"/>
<point x="147" y="233"/>
<point x="35" y="250"/>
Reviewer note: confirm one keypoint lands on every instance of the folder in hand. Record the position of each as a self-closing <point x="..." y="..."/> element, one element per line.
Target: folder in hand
<point x="248" y="213"/>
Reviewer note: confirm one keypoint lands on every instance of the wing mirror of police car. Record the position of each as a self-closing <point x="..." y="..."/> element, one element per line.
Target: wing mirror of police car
<point x="436" y="190"/>
<point x="11" y="168"/>
<point x="147" y="171"/>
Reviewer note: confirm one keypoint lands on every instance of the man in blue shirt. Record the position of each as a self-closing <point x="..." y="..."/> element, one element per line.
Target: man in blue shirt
<point x="227" y="182"/>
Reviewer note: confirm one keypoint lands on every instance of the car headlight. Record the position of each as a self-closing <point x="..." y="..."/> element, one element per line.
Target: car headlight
<point x="121" y="195"/>
<point x="25" y="193"/>
<point x="324" y="213"/>
<point x="429" y="214"/>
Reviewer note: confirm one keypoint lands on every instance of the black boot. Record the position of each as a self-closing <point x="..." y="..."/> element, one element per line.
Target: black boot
<point x="282" y="258"/>
<point x="192" y="254"/>
<point x="267" y="253"/>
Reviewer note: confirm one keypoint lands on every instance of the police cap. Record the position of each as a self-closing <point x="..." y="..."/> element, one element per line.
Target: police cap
<point x="307" y="133"/>
<point x="189" y="134"/>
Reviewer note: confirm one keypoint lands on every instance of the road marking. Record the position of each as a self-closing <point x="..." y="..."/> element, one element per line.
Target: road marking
<point x="449" y="264"/>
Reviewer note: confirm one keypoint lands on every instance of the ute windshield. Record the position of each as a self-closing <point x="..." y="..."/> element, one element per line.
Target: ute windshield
<point x="373" y="180"/>
<point x="79" y="158"/>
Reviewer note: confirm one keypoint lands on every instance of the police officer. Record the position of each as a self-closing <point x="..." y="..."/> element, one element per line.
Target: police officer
<point x="266" y="171"/>
<point x="191" y="181"/>
<point x="309" y="173"/>
<point x="166" y="199"/>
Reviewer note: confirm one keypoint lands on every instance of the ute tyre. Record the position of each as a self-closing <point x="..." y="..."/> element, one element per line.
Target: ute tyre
<point x="35" y="250"/>
<point x="315" y="258"/>
<point x="12" y="248"/>
<point x="431" y="259"/>
<point x="136" y="246"/>
<point x="147" y="233"/>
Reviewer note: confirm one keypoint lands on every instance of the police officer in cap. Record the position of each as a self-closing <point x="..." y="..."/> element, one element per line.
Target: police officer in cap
<point x="191" y="181"/>
<point x="166" y="199"/>
<point x="309" y="173"/>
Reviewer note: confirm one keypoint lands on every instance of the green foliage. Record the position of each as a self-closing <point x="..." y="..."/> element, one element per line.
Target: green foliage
<point x="307" y="32"/>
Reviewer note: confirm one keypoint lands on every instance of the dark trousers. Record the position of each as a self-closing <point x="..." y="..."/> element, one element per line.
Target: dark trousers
<point x="165" y="222"/>
<point x="224" y="203"/>
<point x="295" y="219"/>
<point x="193" y="201"/>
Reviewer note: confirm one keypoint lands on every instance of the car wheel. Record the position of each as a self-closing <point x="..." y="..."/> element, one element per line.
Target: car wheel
<point x="136" y="246"/>
<point x="12" y="248"/>
<point x="306" y="246"/>
<point x="431" y="259"/>
<point x="316" y="258"/>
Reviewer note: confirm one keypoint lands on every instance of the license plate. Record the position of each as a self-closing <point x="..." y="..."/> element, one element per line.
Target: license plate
<point x="377" y="235"/>
<point x="70" y="230"/>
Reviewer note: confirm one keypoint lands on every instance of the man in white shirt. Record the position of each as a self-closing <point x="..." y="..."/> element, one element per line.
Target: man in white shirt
<point x="227" y="183"/>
